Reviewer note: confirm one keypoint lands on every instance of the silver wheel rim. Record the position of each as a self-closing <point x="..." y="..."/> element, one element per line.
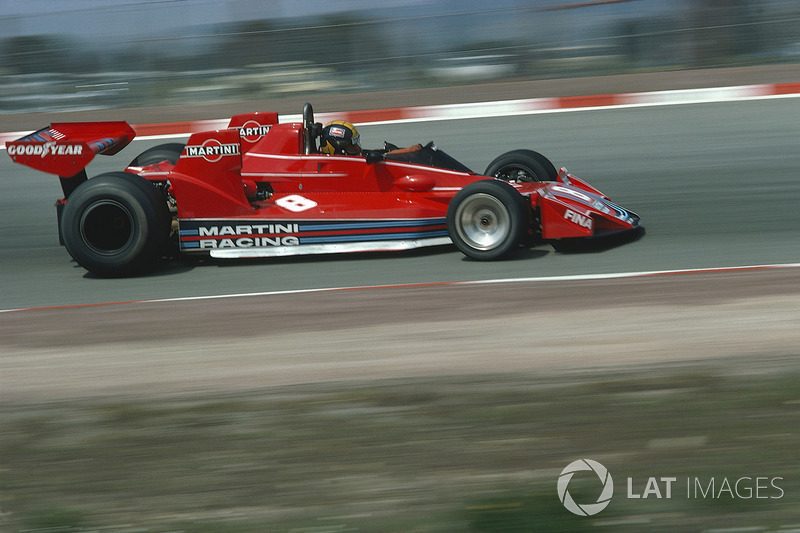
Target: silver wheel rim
<point x="482" y="222"/>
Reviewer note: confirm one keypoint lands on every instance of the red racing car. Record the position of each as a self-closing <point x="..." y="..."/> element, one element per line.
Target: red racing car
<point x="264" y="189"/>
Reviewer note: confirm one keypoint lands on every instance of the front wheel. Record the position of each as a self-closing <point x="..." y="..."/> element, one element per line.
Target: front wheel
<point x="487" y="219"/>
<point x="116" y="225"/>
<point x="522" y="165"/>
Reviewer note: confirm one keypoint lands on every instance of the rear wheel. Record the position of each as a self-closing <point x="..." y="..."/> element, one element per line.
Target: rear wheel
<point x="487" y="219"/>
<point x="522" y="165"/>
<point x="163" y="152"/>
<point x="116" y="225"/>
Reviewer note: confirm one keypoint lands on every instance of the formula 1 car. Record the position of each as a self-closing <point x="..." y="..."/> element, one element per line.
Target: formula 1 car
<point x="262" y="189"/>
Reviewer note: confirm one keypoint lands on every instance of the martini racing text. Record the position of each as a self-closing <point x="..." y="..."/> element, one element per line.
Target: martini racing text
<point x="248" y="236"/>
<point x="211" y="150"/>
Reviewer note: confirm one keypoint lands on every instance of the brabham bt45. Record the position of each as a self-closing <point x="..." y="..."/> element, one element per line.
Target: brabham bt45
<point x="260" y="188"/>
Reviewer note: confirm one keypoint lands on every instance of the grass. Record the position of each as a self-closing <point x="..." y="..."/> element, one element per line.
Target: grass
<point x="476" y="454"/>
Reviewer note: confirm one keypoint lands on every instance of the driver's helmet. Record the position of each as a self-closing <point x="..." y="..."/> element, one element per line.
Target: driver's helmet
<point x="340" y="137"/>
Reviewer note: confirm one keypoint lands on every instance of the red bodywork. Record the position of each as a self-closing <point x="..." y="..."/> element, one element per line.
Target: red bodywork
<point x="251" y="190"/>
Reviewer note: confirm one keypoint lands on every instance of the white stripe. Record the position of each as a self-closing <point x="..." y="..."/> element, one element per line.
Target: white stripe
<point x="543" y="279"/>
<point x="332" y="248"/>
<point x="536" y="106"/>
<point x="301" y="157"/>
<point x="617" y="275"/>
<point x="681" y="96"/>
<point x="479" y="109"/>
<point x="390" y="163"/>
<point x="159" y="173"/>
<point x="294" y="175"/>
<point x="322" y="220"/>
<point x="163" y="136"/>
<point x="545" y="106"/>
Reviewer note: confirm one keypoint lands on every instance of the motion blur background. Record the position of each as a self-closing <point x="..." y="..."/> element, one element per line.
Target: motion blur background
<point x="416" y="408"/>
<point x="81" y="54"/>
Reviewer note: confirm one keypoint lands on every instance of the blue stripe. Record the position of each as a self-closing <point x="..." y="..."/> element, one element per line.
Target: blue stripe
<point x="332" y="239"/>
<point x="621" y="213"/>
<point x="324" y="226"/>
<point x="103" y="144"/>
<point x="374" y="237"/>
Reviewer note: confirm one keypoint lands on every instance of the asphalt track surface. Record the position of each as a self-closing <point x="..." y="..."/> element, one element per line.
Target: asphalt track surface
<point x="716" y="186"/>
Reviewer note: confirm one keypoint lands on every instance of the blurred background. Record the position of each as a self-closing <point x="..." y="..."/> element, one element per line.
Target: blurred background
<point x="326" y="412"/>
<point x="80" y="54"/>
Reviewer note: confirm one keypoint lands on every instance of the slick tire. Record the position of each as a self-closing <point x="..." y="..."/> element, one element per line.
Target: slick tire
<point x="487" y="220"/>
<point x="522" y="165"/>
<point x="163" y="152"/>
<point x="116" y="225"/>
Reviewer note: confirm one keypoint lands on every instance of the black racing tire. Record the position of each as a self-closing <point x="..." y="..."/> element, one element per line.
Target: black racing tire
<point x="163" y="152"/>
<point x="522" y="165"/>
<point x="487" y="220"/>
<point x="116" y="225"/>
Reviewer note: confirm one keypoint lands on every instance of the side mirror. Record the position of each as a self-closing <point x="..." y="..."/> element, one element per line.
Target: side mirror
<point x="373" y="156"/>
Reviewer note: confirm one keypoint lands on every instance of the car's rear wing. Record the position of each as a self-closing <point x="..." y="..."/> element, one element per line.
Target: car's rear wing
<point x="65" y="148"/>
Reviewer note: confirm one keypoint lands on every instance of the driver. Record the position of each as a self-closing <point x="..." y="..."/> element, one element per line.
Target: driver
<point x="341" y="137"/>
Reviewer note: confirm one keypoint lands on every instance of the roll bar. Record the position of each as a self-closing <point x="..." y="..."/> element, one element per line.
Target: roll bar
<point x="311" y="130"/>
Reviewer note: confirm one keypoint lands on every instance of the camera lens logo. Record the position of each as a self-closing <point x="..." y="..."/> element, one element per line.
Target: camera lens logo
<point x="586" y="509"/>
